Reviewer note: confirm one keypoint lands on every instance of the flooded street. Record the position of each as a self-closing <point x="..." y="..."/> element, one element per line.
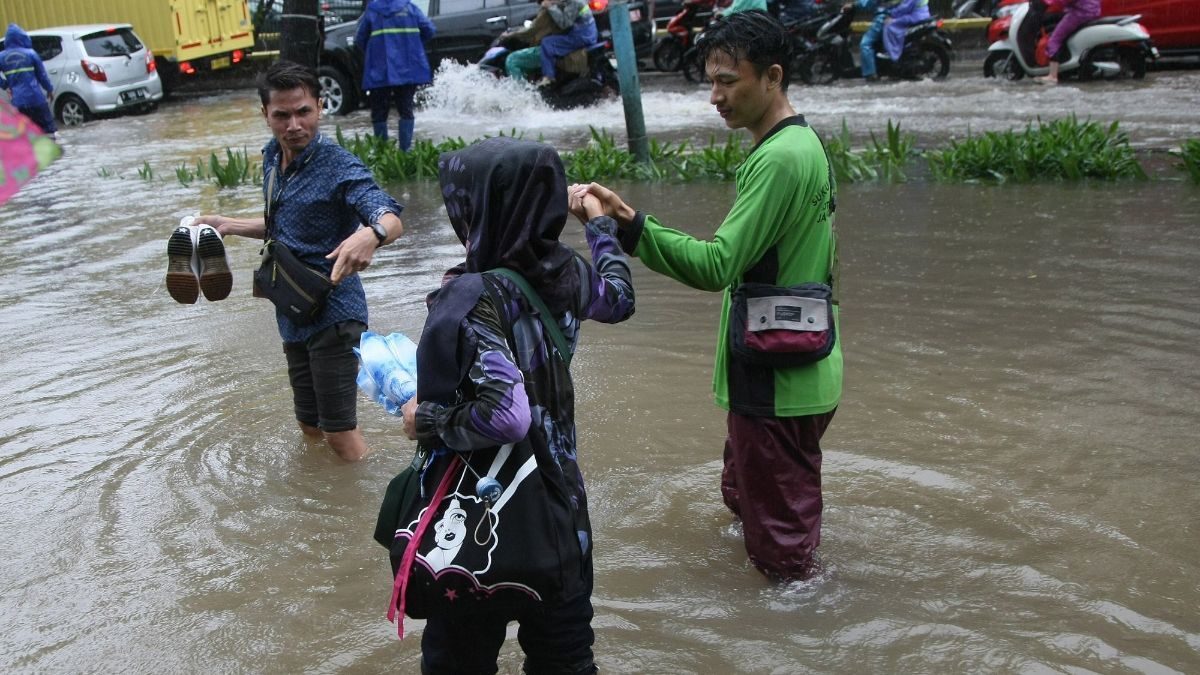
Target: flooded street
<point x="1008" y="484"/>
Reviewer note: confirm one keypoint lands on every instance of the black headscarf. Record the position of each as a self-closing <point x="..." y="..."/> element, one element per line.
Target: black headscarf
<point x="507" y="201"/>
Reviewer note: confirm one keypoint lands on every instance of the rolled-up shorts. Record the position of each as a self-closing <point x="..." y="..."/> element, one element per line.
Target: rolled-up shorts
<point x="323" y="372"/>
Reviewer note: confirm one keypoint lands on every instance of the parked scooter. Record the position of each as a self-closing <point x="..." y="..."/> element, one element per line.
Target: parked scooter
<point x="681" y="33"/>
<point x="927" y="53"/>
<point x="1109" y="47"/>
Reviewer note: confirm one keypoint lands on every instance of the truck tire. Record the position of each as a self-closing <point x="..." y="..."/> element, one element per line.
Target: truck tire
<point x="338" y="95"/>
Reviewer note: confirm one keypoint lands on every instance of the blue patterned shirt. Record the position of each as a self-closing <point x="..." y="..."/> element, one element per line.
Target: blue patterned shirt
<point x="324" y="196"/>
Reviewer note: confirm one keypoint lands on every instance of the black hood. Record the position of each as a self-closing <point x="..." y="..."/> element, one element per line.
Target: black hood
<point x="507" y="201"/>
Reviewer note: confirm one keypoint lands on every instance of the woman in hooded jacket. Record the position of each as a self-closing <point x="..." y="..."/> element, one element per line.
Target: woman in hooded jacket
<point x="490" y="374"/>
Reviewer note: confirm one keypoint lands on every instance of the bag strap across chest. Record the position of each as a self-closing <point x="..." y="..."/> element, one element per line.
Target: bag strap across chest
<point x="552" y="328"/>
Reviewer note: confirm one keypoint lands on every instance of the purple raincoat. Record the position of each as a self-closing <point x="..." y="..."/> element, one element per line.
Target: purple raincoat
<point x="1076" y="13"/>
<point x="903" y="15"/>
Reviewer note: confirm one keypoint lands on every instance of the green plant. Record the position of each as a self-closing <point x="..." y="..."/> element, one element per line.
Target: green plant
<point x="185" y="175"/>
<point x="105" y="172"/>
<point x="1189" y="155"/>
<point x="389" y="163"/>
<point x="1064" y="149"/>
<point x="599" y="159"/>
<point x="891" y="157"/>
<point x="146" y="173"/>
<point x="848" y="166"/>
<point x="237" y="169"/>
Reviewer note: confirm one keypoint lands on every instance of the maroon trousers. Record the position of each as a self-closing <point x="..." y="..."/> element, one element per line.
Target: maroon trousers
<point x="772" y="481"/>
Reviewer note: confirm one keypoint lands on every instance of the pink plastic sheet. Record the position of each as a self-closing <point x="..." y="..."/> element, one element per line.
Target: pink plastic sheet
<point x="24" y="150"/>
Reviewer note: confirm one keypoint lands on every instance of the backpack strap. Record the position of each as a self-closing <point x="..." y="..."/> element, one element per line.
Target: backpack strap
<point x="556" y="335"/>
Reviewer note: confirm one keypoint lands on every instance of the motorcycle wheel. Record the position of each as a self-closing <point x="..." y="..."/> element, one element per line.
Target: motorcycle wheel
<point x="668" y="54"/>
<point x="693" y="67"/>
<point x="819" y="67"/>
<point x="1002" y="64"/>
<point x="931" y="61"/>
<point x="1133" y="63"/>
<point x="609" y="79"/>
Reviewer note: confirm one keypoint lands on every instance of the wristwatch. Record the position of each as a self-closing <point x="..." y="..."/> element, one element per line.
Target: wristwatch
<point x="380" y="231"/>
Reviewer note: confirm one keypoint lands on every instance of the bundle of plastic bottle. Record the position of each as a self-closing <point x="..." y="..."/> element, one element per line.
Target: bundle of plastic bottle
<point x="387" y="370"/>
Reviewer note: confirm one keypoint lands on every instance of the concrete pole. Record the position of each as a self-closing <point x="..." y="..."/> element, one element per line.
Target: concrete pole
<point x="300" y="34"/>
<point x="627" y="75"/>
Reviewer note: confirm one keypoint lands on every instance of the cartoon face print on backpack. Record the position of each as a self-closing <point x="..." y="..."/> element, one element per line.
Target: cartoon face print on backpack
<point x="449" y="534"/>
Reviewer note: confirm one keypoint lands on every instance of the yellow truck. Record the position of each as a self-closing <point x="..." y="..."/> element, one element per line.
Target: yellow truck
<point x="186" y="36"/>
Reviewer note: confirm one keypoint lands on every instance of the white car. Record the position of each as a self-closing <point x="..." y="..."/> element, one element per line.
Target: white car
<point x="97" y="69"/>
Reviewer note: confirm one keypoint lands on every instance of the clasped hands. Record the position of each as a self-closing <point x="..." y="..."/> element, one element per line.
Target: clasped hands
<point x="589" y="200"/>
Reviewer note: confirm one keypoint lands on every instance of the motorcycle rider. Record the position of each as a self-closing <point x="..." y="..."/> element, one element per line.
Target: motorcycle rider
<point x="525" y="53"/>
<point x="575" y="17"/>
<point x="743" y="6"/>
<point x="906" y="13"/>
<point x="866" y="48"/>
<point x="1076" y="14"/>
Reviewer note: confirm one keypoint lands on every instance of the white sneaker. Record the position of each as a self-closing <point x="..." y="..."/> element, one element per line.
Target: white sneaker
<point x="183" y="268"/>
<point x="216" y="277"/>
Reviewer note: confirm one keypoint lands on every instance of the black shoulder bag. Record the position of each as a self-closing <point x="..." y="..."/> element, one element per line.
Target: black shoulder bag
<point x="783" y="326"/>
<point x="297" y="290"/>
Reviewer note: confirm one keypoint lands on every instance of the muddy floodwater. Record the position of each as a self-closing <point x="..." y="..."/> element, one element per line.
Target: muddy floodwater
<point x="1010" y="481"/>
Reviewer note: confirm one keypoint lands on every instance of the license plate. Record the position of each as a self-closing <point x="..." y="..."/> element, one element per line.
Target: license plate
<point x="133" y="95"/>
<point x="217" y="64"/>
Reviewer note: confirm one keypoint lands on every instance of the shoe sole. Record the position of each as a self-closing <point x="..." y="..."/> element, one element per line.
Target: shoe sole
<point x="181" y="280"/>
<point x="216" y="279"/>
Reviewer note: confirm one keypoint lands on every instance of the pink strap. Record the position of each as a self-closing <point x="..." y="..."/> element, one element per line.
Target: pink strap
<point x="410" y="552"/>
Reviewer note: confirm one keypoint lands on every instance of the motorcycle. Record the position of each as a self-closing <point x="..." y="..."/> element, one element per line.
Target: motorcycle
<point x="968" y="9"/>
<point x="997" y="29"/>
<point x="805" y="33"/>
<point x="583" y="77"/>
<point x="802" y="32"/>
<point x="927" y="53"/>
<point x="1109" y="47"/>
<point x="681" y="33"/>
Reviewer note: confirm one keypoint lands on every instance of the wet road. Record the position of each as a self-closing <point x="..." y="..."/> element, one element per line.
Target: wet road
<point x="1010" y="481"/>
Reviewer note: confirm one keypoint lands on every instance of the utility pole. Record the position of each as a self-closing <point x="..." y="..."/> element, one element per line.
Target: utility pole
<point x="300" y="33"/>
<point x="627" y="75"/>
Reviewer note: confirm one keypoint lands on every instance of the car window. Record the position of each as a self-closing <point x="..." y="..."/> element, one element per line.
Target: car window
<point x="111" y="42"/>
<point x="446" y="7"/>
<point x="422" y="5"/>
<point x="46" y="46"/>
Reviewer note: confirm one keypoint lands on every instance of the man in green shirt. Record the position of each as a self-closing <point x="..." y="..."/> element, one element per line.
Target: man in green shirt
<point x="779" y="231"/>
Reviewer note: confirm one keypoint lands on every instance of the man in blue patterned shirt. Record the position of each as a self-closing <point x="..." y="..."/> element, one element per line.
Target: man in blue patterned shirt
<point x="326" y="208"/>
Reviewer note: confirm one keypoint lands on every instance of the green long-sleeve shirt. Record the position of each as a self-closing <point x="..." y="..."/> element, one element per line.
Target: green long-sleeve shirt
<point x="783" y="200"/>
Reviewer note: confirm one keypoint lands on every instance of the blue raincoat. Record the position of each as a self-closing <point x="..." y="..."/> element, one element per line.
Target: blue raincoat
<point x="21" y="70"/>
<point x="576" y="19"/>
<point x="391" y="34"/>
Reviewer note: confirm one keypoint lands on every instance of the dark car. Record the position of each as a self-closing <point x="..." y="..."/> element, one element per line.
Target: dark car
<point x="465" y="30"/>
